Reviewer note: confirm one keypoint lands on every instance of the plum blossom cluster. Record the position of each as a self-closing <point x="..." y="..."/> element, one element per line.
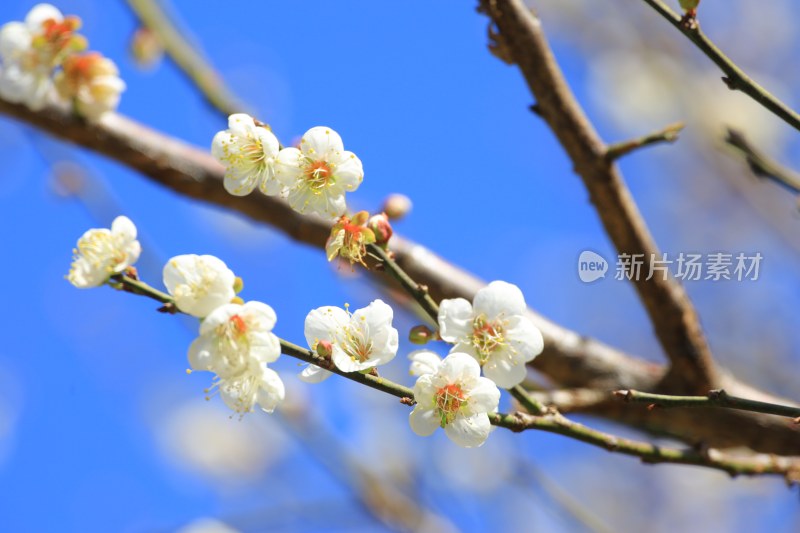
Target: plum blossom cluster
<point x="235" y="341"/>
<point x="43" y="60"/>
<point x="237" y="344"/>
<point x="313" y="177"/>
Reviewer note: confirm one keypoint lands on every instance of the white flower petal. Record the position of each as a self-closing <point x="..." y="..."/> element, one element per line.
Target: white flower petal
<point x="314" y="374"/>
<point x="322" y="323"/>
<point x="423" y="421"/>
<point x="40" y="13"/>
<point x="15" y="39"/>
<point x="458" y="367"/>
<point x="287" y="167"/>
<point x="259" y="315"/>
<point x="123" y="227"/>
<point x="349" y="172"/>
<point x="484" y="396"/>
<point x="265" y="347"/>
<point x="455" y="319"/>
<point x="524" y="337"/>
<point x="424" y="362"/>
<point x="505" y="369"/>
<point x="321" y="142"/>
<point x="469" y="432"/>
<point x="499" y="299"/>
<point x="271" y="391"/>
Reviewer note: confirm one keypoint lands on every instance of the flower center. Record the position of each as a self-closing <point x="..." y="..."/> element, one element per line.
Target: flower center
<point x="318" y="174"/>
<point x="357" y="344"/>
<point x="100" y="249"/>
<point x="487" y="336"/>
<point x="448" y="402"/>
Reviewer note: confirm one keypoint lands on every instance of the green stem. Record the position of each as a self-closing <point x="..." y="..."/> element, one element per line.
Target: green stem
<point x="531" y="404"/>
<point x="141" y="288"/>
<point x="715" y="398"/>
<point x="735" y="77"/>
<point x="647" y="452"/>
<point x="551" y="422"/>
<point x="417" y="291"/>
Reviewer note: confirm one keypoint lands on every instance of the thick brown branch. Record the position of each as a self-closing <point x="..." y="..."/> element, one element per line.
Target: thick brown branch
<point x="569" y="359"/>
<point x="672" y="314"/>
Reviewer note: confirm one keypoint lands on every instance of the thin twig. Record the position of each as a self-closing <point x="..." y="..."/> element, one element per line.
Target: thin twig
<point x="531" y="404"/>
<point x="735" y="78"/>
<point x="187" y="57"/>
<point x="715" y="398"/>
<point x="668" y="134"/>
<point x="415" y="290"/>
<point x="550" y="421"/>
<point x="760" y="164"/>
<point x="788" y="468"/>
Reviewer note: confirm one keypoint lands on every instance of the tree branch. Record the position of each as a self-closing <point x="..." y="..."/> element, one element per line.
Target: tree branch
<point x="541" y="419"/>
<point x="668" y="134"/>
<point x="674" y="318"/>
<point x="715" y="398"/>
<point x="569" y="358"/>
<point x="186" y="57"/>
<point x="735" y="78"/>
<point x="760" y="164"/>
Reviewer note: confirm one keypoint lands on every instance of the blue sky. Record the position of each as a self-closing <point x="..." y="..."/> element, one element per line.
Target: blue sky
<point x="92" y="381"/>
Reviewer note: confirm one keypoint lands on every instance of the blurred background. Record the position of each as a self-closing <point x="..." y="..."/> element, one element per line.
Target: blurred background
<point x="102" y="430"/>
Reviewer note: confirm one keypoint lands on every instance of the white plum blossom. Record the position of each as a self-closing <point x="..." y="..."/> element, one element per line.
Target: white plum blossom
<point x="358" y="341"/>
<point x="248" y="153"/>
<point x="319" y="173"/>
<point x="236" y="343"/>
<point x="455" y="397"/>
<point x="102" y="253"/>
<point x="423" y="362"/>
<point x="257" y="385"/>
<point x="494" y="330"/>
<point x="199" y="283"/>
<point x="232" y="336"/>
<point x="91" y="82"/>
<point x="31" y="50"/>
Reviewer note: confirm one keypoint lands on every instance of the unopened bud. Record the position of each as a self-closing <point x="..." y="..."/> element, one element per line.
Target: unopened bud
<point x="237" y="300"/>
<point x="324" y="348"/>
<point x="238" y="285"/>
<point x="420" y="334"/>
<point x="396" y="206"/>
<point x="379" y="224"/>
<point x="146" y="47"/>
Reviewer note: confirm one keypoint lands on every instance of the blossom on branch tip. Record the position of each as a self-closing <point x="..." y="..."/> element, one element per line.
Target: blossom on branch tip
<point x="101" y="253"/>
<point x="30" y="51"/>
<point x="199" y="283"/>
<point x="319" y="173"/>
<point x="248" y="152"/>
<point x="455" y="397"/>
<point x="494" y="330"/>
<point x="382" y="228"/>
<point x="359" y="341"/>
<point x="91" y="82"/>
<point x="349" y="237"/>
